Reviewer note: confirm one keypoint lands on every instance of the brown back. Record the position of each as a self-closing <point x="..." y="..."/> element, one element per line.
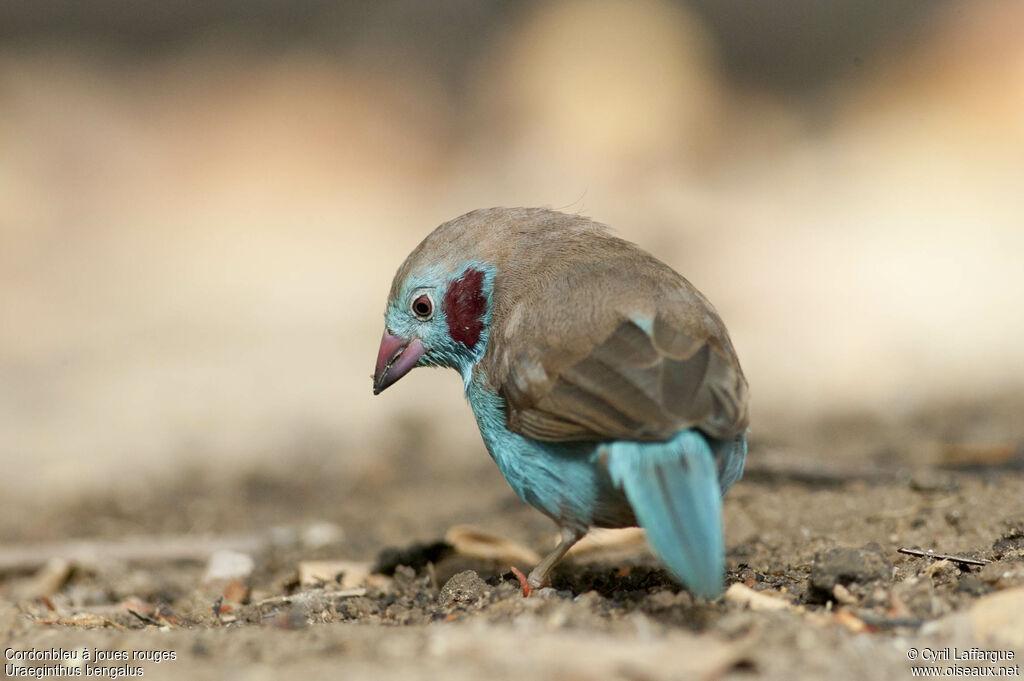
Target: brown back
<point x="591" y="337"/>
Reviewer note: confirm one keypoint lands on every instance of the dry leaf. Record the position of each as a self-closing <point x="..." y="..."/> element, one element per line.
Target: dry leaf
<point x="49" y="579"/>
<point x="757" y="600"/>
<point x="843" y="595"/>
<point x="851" y="622"/>
<point x="602" y="540"/>
<point x="476" y="543"/>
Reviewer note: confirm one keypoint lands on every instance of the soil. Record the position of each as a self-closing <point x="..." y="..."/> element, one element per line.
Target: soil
<point x="813" y="527"/>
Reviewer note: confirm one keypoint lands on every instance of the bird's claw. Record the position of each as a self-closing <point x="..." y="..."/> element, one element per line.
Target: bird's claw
<point x="523" y="581"/>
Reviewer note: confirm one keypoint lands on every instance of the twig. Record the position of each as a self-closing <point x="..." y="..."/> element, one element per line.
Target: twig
<point x="303" y="595"/>
<point x="943" y="556"/>
<point x="144" y="618"/>
<point x="83" y="621"/>
<point x="891" y="622"/>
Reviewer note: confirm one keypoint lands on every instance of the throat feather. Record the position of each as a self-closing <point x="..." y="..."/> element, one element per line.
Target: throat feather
<point x="464" y="307"/>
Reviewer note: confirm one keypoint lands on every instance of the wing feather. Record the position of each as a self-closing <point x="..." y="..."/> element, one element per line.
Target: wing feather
<point x="631" y="385"/>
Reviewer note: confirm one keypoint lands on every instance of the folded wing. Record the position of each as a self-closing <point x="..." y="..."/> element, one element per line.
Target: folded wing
<point x="634" y="384"/>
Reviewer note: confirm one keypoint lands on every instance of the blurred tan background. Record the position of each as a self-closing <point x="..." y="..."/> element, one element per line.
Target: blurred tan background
<point x="201" y="208"/>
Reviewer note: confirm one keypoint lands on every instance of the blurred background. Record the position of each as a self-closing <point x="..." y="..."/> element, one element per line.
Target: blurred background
<point x="202" y="206"/>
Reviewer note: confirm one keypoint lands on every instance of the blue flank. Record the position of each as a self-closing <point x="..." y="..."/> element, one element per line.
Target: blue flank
<point x="672" y="489"/>
<point x="731" y="456"/>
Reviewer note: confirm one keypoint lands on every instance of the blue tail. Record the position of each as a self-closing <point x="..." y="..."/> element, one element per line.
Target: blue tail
<point x="675" y="493"/>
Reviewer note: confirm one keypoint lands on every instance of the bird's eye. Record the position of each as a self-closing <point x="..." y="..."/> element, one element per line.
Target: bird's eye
<point x="423" y="307"/>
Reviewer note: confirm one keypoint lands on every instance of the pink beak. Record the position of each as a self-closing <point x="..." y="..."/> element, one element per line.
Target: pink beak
<point x="395" y="359"/>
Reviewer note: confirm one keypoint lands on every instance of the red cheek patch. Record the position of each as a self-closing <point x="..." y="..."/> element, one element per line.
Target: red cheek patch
<point x="464" y="307"/>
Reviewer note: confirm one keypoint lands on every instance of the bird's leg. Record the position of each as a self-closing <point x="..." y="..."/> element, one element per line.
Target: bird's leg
<point x="539" y="575"/>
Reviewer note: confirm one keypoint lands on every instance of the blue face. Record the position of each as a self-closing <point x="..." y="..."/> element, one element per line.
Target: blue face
<point x="449" y="314"/>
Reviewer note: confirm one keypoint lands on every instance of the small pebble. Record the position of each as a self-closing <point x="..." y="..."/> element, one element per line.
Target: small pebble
<point x="847" y="566"/>
<point x="465" y="589"/>
<point x="228" y="565"/>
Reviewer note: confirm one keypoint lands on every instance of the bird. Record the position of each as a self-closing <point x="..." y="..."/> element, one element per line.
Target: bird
<point x="604" y="384"/>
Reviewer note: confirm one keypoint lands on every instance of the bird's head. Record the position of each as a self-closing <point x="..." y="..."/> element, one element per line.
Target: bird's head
<point x="441" y="306"/>
<point x="436" y="315"/>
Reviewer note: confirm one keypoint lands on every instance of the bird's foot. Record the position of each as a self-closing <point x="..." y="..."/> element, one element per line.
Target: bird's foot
<point x="523" y="581"/>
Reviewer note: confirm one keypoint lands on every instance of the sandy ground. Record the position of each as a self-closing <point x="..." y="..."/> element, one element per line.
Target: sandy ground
<point x="611" y="612"/>
<point x="195" y="251"/>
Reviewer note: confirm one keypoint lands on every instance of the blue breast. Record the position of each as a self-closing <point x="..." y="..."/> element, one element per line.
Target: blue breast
<point x="564" y="480"/>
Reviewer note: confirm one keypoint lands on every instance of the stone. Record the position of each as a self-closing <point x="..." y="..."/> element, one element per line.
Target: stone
<point x="464" y="589"/>
<point x="847" y="566"/>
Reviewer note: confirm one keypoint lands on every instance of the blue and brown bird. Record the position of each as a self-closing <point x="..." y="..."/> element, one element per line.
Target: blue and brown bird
<point x="604" y="384"/>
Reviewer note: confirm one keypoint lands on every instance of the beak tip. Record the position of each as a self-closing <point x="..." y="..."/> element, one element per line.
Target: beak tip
<point x="395" y="359"/>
